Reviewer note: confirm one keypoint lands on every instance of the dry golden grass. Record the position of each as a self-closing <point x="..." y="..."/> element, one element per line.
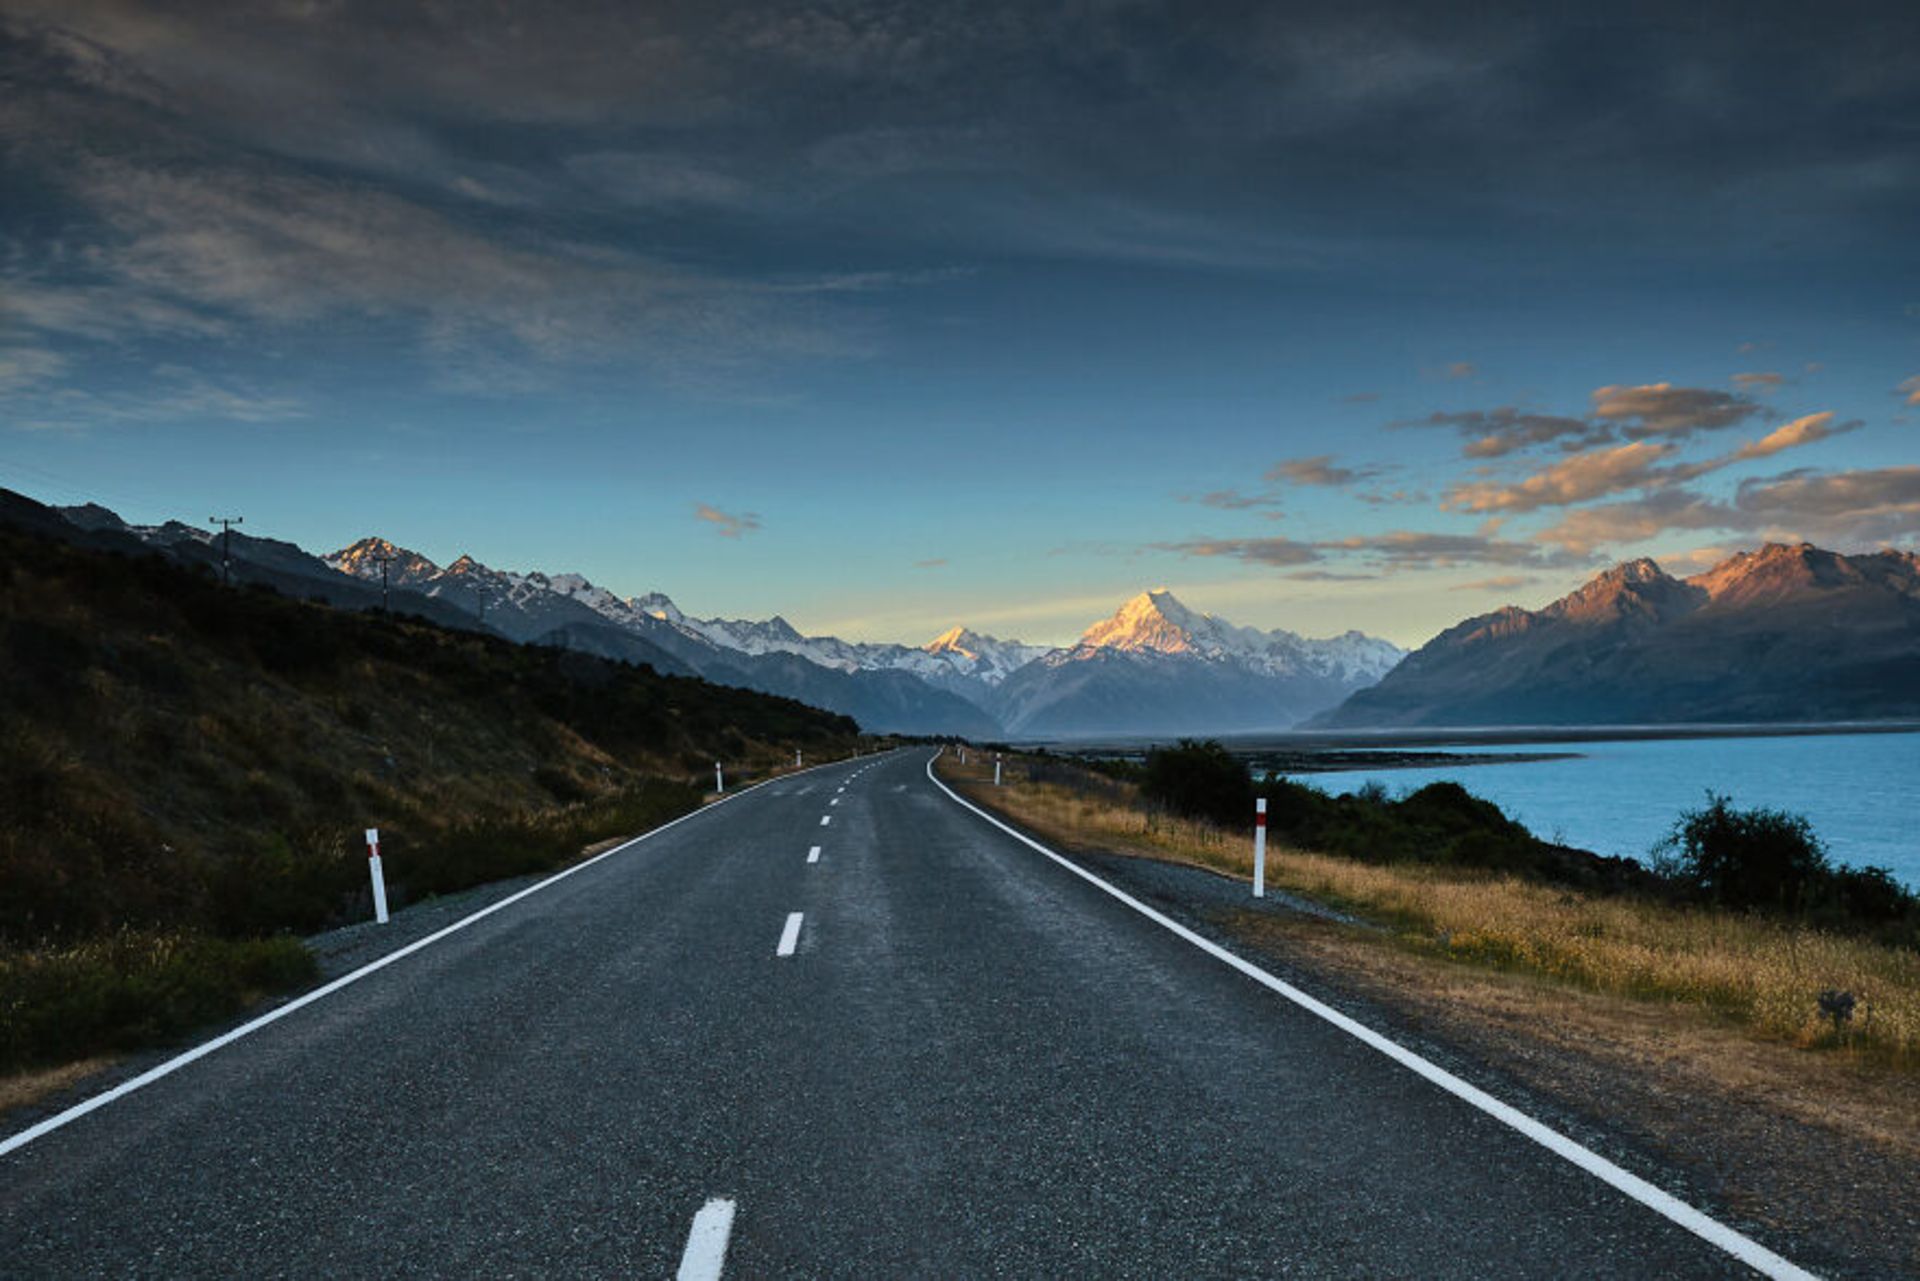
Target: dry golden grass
<point x="17" y="1089"/>
<point x="1764" y="974"/>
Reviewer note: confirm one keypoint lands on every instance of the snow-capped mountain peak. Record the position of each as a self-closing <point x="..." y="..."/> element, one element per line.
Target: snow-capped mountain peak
<point x="1152" y="621"/>
<point x="985" y="658"/>
<point x="1156" y="622"/>
<point x="658" y="605"/>
<point x="364" y="559"/>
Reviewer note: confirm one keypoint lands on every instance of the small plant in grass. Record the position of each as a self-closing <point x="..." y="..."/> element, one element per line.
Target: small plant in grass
<point x="1838" y="1006"/>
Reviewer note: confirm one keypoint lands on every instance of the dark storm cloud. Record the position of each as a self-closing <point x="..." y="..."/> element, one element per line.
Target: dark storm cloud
<point x="1332" y="115"/>
<point x="536" y="182"/>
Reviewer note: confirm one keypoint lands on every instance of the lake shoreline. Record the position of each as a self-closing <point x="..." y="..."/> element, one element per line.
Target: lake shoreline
<point x="1278" y="741"/>
<point x="1335" y="761"/>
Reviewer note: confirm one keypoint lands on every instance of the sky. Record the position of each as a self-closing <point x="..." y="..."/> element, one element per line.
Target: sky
<point x="888" y="317"/>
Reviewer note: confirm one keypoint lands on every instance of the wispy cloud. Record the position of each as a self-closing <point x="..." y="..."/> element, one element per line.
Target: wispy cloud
<point x="1860" y="507"/>
<point x="727" y="524"/>
<point x="1498" y="583"/>
<point x="1910" y="389"/>
<point x="1760" y="382"/>
<point x="1416" y="549"/>
<point x="1662" y="409"/>
<point x="1578" y="479"/>
<point x="1394" y="550"/>
<point x="1261" y="551"/>
<point x="23" y="367"/>
<point x="937" y="562"/>
<point x="1809" y="430"/>
<point x="1495" y="433"/>
<point x="1234" y="500"/>
<point x="1587" y="529"/>
<point x="58" y="399"/>
<point x="1319" y="470"/>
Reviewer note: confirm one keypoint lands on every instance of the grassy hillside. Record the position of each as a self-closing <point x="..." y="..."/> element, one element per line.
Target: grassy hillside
<point x="183" y="763"/>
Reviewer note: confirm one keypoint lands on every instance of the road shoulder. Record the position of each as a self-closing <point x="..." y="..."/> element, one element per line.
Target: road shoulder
<point x="1817" y="1158"/>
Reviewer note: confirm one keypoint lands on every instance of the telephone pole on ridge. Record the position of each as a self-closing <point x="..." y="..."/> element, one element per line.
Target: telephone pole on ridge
<point x="226" y="524"/>
<point x="385" y="559"/>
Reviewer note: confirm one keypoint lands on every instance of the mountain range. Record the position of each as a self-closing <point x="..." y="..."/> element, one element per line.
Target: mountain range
<point x="1153" y="667"/>
<point x="1785" y="633"/>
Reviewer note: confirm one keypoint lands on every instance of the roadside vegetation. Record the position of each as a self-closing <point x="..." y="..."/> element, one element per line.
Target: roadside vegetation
<point x="186" y="770"/>
<point x="1746" y="918"/>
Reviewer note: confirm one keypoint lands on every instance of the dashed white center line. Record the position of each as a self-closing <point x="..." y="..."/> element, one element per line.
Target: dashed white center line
<point x="790" y="937"/>
<point x="706" y="1248"/>
<point x="825" y="819"/>
<point x="834" y="801"/>
<point x="813" y="855"/>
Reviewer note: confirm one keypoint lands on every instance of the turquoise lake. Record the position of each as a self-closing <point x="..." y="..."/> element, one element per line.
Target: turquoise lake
<point x="1860" y="791"/>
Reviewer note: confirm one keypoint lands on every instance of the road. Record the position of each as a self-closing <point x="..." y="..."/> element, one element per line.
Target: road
<point x="960" y="1060"/>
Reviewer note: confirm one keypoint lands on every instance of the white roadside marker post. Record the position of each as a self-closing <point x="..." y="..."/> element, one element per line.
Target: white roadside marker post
<point x="1260" y="848"/>
<point x="963" y="756"/>
<point x="797" y="758"/>
<point x="719" y="780"/>
<point x="379" y="877"/>
<point x="996" y="769"/>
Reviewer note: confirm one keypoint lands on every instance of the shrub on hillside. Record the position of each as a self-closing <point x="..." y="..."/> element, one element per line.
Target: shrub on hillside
<point x="1198" y="780"/>
<point x="1771" y="860"/>
<point x="1746" y="858"/>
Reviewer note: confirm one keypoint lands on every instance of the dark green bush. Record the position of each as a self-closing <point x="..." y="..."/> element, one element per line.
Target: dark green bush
<point x="1771" y="860"/>
<point x="1747" y="858"/>
<point x="1199" y="780"/>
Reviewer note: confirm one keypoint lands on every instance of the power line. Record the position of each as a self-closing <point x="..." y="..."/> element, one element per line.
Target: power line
<point x="226" y="524"/>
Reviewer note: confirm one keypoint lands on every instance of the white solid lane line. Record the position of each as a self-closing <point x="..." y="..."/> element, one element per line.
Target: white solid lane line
<point x="790" y="937"/>
<point x="706" y="1250"/>
<point x="825" y="819"/>
<point x="813" y="855"/>
<point x="1743" y="1248"/>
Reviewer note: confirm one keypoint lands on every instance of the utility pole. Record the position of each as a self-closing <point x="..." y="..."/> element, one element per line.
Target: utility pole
<point x="385" y="560"/>
<point x="226" y="524"/>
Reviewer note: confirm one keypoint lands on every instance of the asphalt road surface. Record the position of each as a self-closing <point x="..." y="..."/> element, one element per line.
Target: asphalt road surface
<point x="958" y="1059"/>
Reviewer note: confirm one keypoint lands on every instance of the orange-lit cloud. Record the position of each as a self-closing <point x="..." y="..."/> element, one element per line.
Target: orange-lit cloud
<point x="1576" y="480"/>
<point x="727" y="524"/>
<point x="1801" y="431"/>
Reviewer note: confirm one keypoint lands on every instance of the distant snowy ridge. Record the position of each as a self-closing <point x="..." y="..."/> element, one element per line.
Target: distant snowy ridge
<point x="1154" y="665"/>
